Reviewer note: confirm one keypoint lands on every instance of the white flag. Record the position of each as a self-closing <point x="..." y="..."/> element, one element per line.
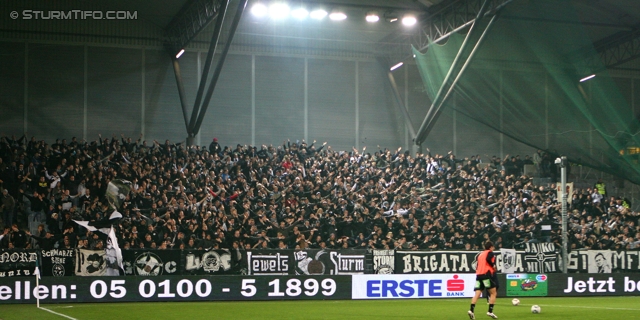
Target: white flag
<point x="599" y="261"/>
<point x="113" y="255"/>
<point x="508" y="260"/>
<point x="90" y="262"/>
<point x="92" y="228"/>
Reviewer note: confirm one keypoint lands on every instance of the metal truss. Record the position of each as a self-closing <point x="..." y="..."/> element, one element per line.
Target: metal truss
<point x="191" y="19"/>
<point x="615" y="50"/>
<point x="457" y="68"/>
<point x="185" y="27"/>
<point x="452" y="17"/>
<point x="442" y="21"/>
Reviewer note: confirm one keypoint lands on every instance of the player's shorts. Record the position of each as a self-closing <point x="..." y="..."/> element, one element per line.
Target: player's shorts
<point x="494" y="278"/>
<point x="485" y="282"/>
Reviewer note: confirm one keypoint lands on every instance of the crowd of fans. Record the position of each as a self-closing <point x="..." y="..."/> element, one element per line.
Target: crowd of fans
<point x="295" y="195"/>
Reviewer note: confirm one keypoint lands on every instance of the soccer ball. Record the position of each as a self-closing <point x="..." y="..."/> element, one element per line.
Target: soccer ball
<point x="515" y="302"/>
<point x="535" y="308"/>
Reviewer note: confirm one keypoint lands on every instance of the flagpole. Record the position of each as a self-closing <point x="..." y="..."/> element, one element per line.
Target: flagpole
<point x="38" y="296"/>
<point x="37" y="274"/>
<point x="562" y="161"/>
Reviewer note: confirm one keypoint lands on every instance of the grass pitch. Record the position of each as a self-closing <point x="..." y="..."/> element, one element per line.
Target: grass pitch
<point x="552" y="308"/>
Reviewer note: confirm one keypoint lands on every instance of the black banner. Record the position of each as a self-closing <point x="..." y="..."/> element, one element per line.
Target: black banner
<point x="174" y="288"/>
<point x="57" y="262"/>
<point x="416" y="262"/>
<point x="383" y="261"/>
<point x="307" y="262"/>
<point x="152" y="262"/>
<point x="541" y="257"/>
<point x="206" y="262"/>
<point x="17" y="262"/>
<point x="599" y="261"/>
<point x="335" y="262"/>
<point x="268" y="262"/>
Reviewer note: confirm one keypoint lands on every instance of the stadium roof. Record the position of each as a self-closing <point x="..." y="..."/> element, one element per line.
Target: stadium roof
<point x="603" y="19"/>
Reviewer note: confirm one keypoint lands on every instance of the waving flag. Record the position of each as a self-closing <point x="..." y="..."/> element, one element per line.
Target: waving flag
<point x="117" y="192"/>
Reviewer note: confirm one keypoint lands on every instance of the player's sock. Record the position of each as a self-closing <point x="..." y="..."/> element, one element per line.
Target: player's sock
<point x="473" y="306"/>
<point x="491" y="308"/>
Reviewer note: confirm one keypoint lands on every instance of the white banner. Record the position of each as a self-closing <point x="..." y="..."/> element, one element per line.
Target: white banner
<point x="90" y="263"/>
<point x="508" y="260"/>
<point x="412" y="286"/>
<point x="599" y="261"/>
<point x="113" y="254"/>
<point x="569" y="192"/>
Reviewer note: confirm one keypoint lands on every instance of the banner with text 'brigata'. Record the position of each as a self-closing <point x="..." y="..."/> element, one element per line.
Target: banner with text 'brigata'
<point x="420" y="262"/>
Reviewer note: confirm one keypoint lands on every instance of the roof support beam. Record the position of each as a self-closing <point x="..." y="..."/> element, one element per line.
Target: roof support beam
<point x="456" y="70"/>
<point x="242" y="4"/>
<point x="215" y="36"/>
<point x="192" y="18"/>
<point x="183" y="97"/>
<point x="185" y="26"/>
<point x="453" y="18"/>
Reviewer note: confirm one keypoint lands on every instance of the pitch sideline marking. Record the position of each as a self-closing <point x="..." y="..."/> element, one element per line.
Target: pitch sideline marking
<point x="589" y="307"/>
<point x="562" y="306"/>
<point x="60" y="314"/>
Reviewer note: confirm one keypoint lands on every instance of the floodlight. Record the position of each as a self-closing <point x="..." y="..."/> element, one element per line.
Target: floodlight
<point x="299" y="13"/>
<point x="396" y="66"/>
<point x="179" y="53"/>
<point x="372" y="16"/>
<point x="588" y="78"/>
<point x="279" y="11"/>
<point x="409" y="20"/>
<point x="259" y="10"/>
<point x="337" y="15"/>
<point x="318" y="14"/>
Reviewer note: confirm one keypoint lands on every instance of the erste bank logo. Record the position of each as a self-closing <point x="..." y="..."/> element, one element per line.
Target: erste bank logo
<point x="412" y="286"/>
<point x="455" y="284"/>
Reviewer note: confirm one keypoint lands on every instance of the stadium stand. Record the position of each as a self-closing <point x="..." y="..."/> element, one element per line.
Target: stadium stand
<point x="295" y="195"/>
